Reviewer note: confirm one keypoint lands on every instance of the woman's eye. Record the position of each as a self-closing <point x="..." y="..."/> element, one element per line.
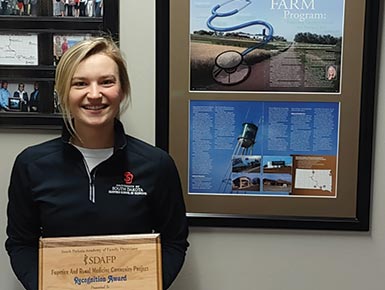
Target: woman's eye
<point x="108" y="82"/>
<point x="78" y="84"/>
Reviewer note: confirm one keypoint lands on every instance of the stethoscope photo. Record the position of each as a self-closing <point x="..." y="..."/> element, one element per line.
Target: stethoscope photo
<point x="230" y="66"/>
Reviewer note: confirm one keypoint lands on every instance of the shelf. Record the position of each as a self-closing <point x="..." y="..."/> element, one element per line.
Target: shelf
<point x="50" y="24"/>
<point x="28" y="72"/>
<point x="18" y="120"/>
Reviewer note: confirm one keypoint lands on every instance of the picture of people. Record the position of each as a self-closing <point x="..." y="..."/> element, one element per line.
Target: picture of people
<point x="19" y="7"/>
<point x="77" y="8"/>
<point x="61" y="43"/>
<point x="25" y="97"/>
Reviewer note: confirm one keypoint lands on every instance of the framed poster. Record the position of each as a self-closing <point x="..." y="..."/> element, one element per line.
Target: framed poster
<point x="267" y="109"/>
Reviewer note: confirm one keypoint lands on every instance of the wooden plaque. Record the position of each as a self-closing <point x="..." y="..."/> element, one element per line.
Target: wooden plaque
<point x="100" y="262"/>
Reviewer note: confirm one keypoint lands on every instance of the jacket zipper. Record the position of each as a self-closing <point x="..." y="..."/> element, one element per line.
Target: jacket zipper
<point x="91" y="182"/>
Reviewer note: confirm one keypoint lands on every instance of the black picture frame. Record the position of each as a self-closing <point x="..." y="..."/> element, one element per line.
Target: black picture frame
<point x="361" y="220"/>
<point x="46" y="26"/>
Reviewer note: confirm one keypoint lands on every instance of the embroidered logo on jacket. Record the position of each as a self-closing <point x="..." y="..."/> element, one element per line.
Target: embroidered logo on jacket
<point x="128" y="177"/>
<point x="128" y="188"/>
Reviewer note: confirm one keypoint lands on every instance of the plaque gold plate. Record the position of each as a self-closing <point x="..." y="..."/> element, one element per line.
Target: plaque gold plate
<point x="101" y="262"/>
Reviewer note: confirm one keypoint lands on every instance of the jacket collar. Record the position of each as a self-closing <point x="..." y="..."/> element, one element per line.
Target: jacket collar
<point x="120" y="137"/>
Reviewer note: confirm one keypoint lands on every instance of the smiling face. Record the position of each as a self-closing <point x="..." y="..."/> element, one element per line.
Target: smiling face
<point x="77" y="60"/>
<point x="95" y="93"/>
<point x="332" y="73"/>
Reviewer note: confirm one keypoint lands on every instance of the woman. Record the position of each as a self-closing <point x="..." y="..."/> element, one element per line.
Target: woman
<point x="331" y="72"/>
<point x="77" y="8"/>
<point x="57" y="50"/>
<point x="94" y="179"/>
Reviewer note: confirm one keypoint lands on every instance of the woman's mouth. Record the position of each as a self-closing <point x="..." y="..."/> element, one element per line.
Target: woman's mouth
<point x="94" y="107"/>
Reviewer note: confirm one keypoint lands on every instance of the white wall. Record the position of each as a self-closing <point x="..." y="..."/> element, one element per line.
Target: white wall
<point x="241" y="259"/>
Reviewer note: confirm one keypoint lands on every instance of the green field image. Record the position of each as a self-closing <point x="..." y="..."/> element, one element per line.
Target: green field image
<point x="312" y="51"/>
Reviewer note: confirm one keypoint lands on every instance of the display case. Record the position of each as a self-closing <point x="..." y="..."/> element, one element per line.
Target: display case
<point x="34" y="34"/>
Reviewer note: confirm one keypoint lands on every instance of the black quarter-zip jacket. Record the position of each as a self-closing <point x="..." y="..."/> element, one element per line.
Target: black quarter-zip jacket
<point x="52" y="194"/>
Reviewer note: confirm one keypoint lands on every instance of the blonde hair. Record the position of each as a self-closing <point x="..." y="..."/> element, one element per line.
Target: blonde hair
<point x="70" y="62"/>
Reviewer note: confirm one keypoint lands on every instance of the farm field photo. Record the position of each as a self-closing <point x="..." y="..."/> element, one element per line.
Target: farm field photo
<point x="277" y="46"/>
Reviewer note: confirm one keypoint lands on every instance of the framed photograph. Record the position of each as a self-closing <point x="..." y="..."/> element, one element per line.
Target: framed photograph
<point x="19" y="8"/>
<point x="267" y="109"/>
<point x="63" y="8"/>
<point x="61" y="43"/>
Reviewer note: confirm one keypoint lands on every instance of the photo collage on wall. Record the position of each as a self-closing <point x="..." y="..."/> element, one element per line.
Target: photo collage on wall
<point x="22" y="50"/>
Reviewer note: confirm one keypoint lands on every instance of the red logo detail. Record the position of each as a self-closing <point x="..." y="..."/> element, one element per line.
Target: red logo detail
<point x="128" y="177"/>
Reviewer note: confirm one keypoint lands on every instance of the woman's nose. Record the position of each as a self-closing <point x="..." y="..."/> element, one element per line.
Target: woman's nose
<point x="94" y="92"/>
